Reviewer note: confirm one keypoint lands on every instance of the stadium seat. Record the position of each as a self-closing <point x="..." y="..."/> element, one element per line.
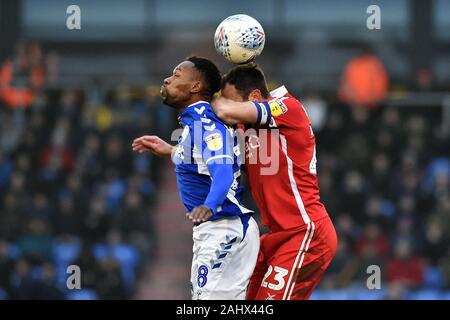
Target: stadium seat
<point x="100" y="251"/>
<point x="66" y="252"/>
<point x="13" y="251"/>
<point x="331" y="295"/>
<point x="83" y="294"/>
<point x="445" y="295"/>
<point x="128" y="257"/>
<point x="345" y="294"/>
<point x="436" y="167"/>
<point x="433" y="278"/>
<point x="36" y="272"/>
<point x="424" y="294"/>
<point x="365" y="294"/>
<point x="3" y="294"/>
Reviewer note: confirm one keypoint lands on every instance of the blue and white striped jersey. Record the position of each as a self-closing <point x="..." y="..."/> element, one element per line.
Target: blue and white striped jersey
<point x="207" y="163"/>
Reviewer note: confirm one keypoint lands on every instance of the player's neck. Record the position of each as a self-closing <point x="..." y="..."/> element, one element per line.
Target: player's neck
<point x="190" y="102"/>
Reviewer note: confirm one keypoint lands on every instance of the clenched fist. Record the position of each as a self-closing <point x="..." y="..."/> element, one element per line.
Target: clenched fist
<point x="199" y="214"/>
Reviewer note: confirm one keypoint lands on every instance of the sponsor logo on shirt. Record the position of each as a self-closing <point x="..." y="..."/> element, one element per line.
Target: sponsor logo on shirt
<point x="214" y="141"/>
<point x="277" y="107"/>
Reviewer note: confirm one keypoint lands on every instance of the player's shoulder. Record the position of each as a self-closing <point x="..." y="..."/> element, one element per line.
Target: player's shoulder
<point x="210" y="117"/>
<point x="282" y="94"/>
<point x="202" y="116"/>
<point x="198" y="110"/>
<point x="281" y="100"/>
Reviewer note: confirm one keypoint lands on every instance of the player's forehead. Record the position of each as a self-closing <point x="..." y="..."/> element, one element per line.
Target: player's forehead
<point x="185" y="67"/>
<point x="229" y="91"/>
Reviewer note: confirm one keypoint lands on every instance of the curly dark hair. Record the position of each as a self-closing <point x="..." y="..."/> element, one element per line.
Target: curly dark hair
<point x="210" y="73"/>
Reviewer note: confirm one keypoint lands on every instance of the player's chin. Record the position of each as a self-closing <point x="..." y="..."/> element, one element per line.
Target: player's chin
<point x="163" y="92"/>
<point x="166" y="101"/>
<point x="164" y="98"/>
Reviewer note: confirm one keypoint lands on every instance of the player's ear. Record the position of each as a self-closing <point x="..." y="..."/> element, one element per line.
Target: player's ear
<point x="255" y="95"/>
<point x="196" y="87"/>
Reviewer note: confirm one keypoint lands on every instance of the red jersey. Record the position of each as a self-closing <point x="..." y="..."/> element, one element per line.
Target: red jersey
<point x="281" y="163"/>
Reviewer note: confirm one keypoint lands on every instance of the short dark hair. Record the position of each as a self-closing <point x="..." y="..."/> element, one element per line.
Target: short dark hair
<point x="246" y="78"/>
<point x="210" y="73"/>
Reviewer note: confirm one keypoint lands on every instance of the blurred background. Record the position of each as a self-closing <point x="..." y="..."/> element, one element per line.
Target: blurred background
<point x="72" y="101"/>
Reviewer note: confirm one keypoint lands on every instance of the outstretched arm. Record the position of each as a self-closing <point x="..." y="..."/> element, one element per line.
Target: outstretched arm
<point x="153" y="144"/>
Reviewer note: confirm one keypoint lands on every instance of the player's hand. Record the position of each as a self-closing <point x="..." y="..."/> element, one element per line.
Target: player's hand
<point x="199" y="214"/>
<point x="152" y="144"/>
<point x="219" y="105"/>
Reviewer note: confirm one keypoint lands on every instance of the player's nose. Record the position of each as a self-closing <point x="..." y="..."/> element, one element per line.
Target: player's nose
<point x="167" y="81"/>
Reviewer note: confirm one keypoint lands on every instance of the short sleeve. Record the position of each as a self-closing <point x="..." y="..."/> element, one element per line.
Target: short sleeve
<point x="287" y="112"/>
<point x="216" y="143"/>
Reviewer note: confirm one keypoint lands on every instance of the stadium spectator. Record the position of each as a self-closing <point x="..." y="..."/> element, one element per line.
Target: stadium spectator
<point x="21" y="76"/>
<point x="46" y="286"/>
<point x="37" y="244"/>
<point x="62" y="185"/>
<point x="364" y="81"/>
<point x="435" y="243"/>
<point x="353" y="195"/>
<point x="6" y="265"/>
<point x="372" y="239"/>
<point x="404" y="267"/>
<point x="21" y="283"/>
<point x="91" y="268"/>
<point x="445" y="267"/>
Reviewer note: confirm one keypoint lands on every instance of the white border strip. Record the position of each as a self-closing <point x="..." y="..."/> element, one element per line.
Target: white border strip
<point x="301" y="260"/>
<point x="295" y="262"/>
<point x="294" y="187"/>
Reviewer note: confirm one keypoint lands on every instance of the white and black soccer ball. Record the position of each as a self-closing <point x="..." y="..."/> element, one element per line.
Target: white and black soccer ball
<point x="239" y="39"/>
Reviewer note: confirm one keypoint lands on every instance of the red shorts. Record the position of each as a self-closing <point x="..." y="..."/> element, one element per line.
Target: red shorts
<point x="291" y="263"/>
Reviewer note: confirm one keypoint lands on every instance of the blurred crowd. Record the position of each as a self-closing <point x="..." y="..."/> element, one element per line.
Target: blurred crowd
<point x="73" y="193"/>
<point x="384" y="177"/>
<point x="71" y="190"/>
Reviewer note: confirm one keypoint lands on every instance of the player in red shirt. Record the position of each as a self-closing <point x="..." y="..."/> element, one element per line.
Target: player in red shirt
<point x="281" y="169"/>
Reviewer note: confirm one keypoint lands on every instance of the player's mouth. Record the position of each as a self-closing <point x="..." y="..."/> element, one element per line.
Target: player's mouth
<point x="163" y="91"/>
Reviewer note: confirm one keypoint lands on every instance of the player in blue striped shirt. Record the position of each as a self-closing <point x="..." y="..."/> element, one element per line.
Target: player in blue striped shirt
<point x="226" y="237"/>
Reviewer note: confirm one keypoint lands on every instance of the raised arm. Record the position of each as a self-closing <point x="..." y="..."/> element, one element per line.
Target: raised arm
<point x="233" y="112"/>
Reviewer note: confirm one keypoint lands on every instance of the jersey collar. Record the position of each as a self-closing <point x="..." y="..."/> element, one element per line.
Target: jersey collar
<point x="279" y="92"/>
<point x="190" y="107"/>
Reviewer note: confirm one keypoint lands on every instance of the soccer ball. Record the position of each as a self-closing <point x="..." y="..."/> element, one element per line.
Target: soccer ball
<point x="239" y="39"/>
